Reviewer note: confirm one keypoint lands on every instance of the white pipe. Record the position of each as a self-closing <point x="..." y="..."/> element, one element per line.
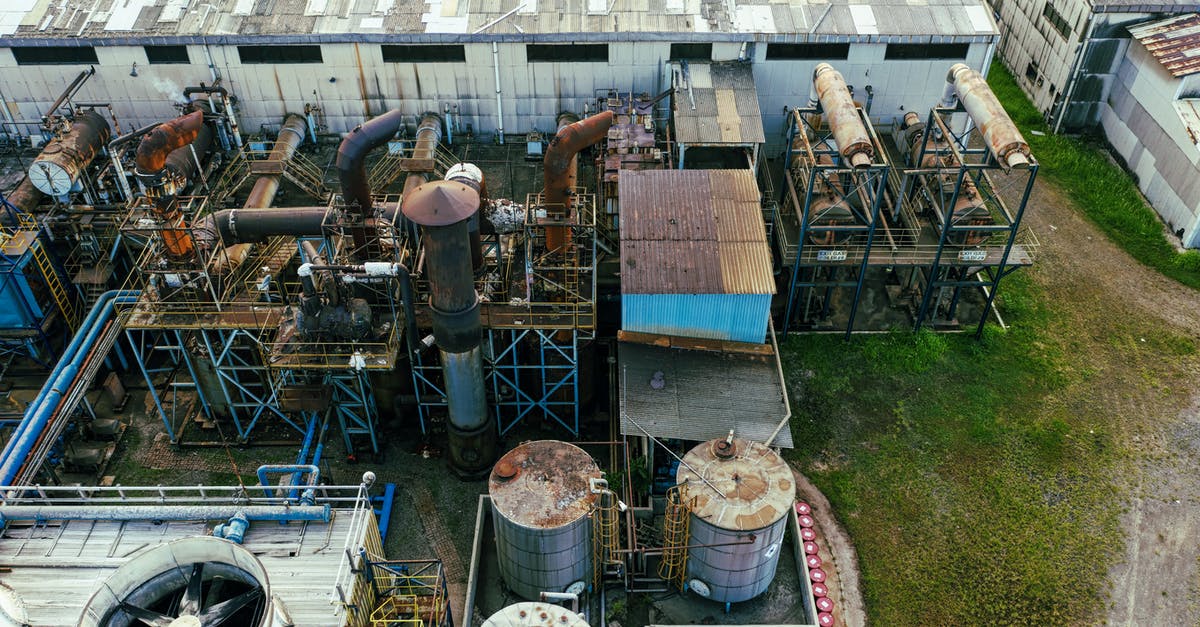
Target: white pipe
<point x="563" y="596"/>
<point x="787" y="405"/>
<point x="499" y="102"/>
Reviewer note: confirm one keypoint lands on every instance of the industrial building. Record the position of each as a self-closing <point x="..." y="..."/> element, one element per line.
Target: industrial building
<point x="547" y="251"/>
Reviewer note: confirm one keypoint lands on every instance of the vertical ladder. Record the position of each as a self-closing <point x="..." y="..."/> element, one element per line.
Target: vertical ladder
<point x="676" y="533"/>
<point x="606" y="538"/>
<point x="53" y="283"/>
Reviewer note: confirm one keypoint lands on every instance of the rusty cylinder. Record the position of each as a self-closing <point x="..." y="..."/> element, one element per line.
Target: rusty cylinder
<point x="443" y="209"/>
<point x="291" y="135"/>
<point x="851" y="136"/>
<point x="62" y="162"/>
<point x="165" y="138"/>
<point x="560" y="169"/>
<point x="999" y="131"/>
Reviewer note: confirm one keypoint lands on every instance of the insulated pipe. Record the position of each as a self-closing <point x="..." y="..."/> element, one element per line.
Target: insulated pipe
<point x="470" y="175"/>
<point x="352" y="155"/>
<point x="285" y="513"/>
<point x="838" y="106"/>
<point x="989" y="115"/>
<point x="291" y="135"/>
<point x="166" y="137"/>
<point x="25" y="197"/>
<point x="181" y="162"/>
<point x="560" y="168"/>
<point x="443" y="208"/>
<point x="62" y="162"/>
<point x="58" y="383"/>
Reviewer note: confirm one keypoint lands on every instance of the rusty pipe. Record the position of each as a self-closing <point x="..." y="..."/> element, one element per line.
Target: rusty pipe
<point x="291" y="135"/>
<point x="560" y="169"/>
<point x="157" y="144"/>
<point x="62" y="162"/>
<point x="999" y="131"/>
<point x="24" y="198"/>
<point x="851" y="136"/>
<point x="352" y="155"/>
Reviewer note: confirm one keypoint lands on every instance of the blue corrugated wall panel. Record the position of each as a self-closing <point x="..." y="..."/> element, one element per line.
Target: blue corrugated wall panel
<point x="735" y="317"/>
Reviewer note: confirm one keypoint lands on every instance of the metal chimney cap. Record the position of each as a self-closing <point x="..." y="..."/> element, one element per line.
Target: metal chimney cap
<point x="440" y="203"/>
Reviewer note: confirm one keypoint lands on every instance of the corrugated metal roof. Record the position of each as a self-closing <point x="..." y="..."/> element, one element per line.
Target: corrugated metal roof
<point x="693" y="232"/>
<point x="705" y="394"/>
<point x="1189" y="111"/>
<point x="726" y="106"/>
<point x="1174" y="42"/>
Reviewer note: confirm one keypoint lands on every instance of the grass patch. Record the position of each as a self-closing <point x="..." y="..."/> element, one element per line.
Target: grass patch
<point x="1106" y="193"/>
<point x="972" y="497"/>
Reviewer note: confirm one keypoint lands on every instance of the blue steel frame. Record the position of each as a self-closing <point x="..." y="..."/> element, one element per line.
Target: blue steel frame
<point x="975" y="164"/>
<point x="823" y="271"/>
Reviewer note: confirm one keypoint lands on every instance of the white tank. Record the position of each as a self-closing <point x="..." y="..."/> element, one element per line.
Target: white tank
<point x="541" y="498"/>
<point x="531" y="614"/>
<point x="740" y="492"/>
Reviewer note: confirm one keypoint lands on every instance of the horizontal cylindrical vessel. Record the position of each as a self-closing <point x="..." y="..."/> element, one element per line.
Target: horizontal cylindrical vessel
<point x="989" y="115"/>
<point x="541" y="500"/>
<point x="737" y="528"/>
<point x="61" y="163"/>
<point x="851" y="136"/>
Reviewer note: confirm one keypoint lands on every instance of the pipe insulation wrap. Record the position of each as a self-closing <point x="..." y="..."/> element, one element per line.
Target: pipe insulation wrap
<point x="851" y="136"/>
<point x="999" y="131"/>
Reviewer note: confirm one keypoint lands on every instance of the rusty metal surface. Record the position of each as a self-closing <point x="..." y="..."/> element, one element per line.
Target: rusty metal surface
<point x="726" y="110"/>
<point x="1189" y="112"/>
<point x="440" y="203"/>
<point x="989" y="115"/>
<point x="166" y="137"/>
<point x="560" y="168"/>
<point x="543" y="484"/>
<point x="693" y="232"/>
<point x="1174" y="42"/>
<point x="839" y="109"/>
<point x="754" y="486"/>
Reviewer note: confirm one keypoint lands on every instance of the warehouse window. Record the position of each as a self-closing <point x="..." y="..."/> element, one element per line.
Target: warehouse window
<point x="54" y="55"/>
<point x="691" y="52"/>
<point x="1031" y="71"/>
<point x="424" y="54"/>
<point x="566" y="52"/>
<point x="1057" y="21"/>
<point x="814" y="52"/>
<point x="901" y="52"/>
<point x="280" y="54"/>
<point x="167" y="54"/>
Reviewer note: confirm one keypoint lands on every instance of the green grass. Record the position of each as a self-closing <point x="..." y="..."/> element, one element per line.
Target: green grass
<point x="1106" y="193"/>
<point x="971" y="497"/>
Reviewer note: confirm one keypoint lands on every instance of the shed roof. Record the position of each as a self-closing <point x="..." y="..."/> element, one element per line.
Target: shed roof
<point x="716" y="103"/>
<point x="693" y="232"/>
<point x="1174" y="42"/>
<point x="704" y="394"/>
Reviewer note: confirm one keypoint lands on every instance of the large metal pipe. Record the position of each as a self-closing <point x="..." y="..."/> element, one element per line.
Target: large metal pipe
<point x="25" y="197"/>
<point x="182" y="163"/>
<point x="166" y="160"/>
<point x="352" y="155"/>
<point x="560" y="168"/>
<point x="294" y="513"/>
<point x="62" y="162"/>
<point x="291" y="135"/>
<point x="242" y="226"/>
<point x="999" y="131"/>
<point x="442" y="209"/>
<point x="837" y="104"/>
<point x="166" y="137"/>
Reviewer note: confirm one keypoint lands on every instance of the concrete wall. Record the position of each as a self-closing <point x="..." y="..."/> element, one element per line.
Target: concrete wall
<point x="1027" y="37"/>
<point x="354" y="83"/>
<point x="1144" y="128"/>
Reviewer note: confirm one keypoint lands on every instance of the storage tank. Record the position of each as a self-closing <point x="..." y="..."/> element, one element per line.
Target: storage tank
<point x="739" y="492"/>
<point x="541" y="498"/>
<point x="62" y="162"/>
<point x="529" y="614"/>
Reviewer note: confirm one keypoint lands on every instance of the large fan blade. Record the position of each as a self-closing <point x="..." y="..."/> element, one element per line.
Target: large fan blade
<point x="190" y="605"/>
<point x="154" y="619"/>
<point x="219" y="613"/>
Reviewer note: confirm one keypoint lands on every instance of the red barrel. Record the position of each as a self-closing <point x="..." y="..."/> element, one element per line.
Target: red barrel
<point x="802" y="508"/>
<point x="810" y="548"/>
<point x="807" y="534"/>
<point x="813" y="561"/>
<point x="824" y="604"/>
<point x="820" y="590"/>
<point x="806" y="520"/>
<point x="825" y="619"/>
<point x="816" y="575"/>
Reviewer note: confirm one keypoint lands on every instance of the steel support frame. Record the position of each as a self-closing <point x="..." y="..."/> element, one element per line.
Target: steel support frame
<point x="354" y="404"/>
<point x="545" y="378"/>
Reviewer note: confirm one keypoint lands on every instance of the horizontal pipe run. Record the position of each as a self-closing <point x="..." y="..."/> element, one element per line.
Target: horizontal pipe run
<point x="285" y="513"/>
<point x="840" y="111"/>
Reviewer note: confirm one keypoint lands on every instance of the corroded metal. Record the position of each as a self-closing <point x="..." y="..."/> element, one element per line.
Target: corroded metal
<point x="62" y="161"/>
<point x="560" y="169"/>
<point x="165" y="138"/>
<point x="1001" y="135"/>
<point x="530" y="614"/>
<point x="839" y="109"/>
<point x="1173" y="42"/>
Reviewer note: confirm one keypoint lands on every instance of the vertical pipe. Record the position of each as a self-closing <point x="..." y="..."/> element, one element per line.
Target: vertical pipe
<point x="560" y="168"/>
<point x="499" y="100"/>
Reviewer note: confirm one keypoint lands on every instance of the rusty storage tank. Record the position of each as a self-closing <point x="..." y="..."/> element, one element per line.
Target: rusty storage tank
<point x="541" y="498"/>
<point x="740" y="492"/>
<point x="530" y="614"/>
<point x="62" y="162"/>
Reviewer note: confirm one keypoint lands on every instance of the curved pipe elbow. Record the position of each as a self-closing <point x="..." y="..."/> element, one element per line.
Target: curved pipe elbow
<point x="352" y="154"/>
<point x="164" y="139"/>
<point x="573" y="138"/>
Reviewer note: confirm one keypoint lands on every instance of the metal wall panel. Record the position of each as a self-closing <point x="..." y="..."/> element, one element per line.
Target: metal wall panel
<point x="734" y="317"/>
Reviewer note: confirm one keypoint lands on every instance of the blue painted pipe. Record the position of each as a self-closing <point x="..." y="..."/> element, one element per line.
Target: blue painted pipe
<point x="38" y="413"/>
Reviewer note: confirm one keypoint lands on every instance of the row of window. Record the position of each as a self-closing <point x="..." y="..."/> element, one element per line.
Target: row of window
<point x="456" y="53"/>
<point x="1060" y="24"/>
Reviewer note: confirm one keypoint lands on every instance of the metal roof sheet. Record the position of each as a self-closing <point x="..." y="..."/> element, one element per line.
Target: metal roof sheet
<point x="1189" y="112"/>
<point x="704" y="394"/>
<point x="721" y="106"/>
<point x="693" y="232"/>
<point x="1174" y="42"/>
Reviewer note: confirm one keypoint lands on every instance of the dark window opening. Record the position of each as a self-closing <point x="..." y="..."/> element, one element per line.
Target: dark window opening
<point x="424" y="54"/>
<point x="167" y="54"/>
<point x="1031" y="71"/>
<point x="819" y="52"/>
<point x="280" y="54"/>
<point x="691" y="52"/>
<point x="899" y="52"/>
<point x="54" y="55"/>
<point x="1057" y="21"/>
<point x="566" y="52"/>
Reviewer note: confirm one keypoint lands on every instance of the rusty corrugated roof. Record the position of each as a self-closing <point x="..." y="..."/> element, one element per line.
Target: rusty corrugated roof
<point x="1174" y="42"/>
<point x="726" y="106"/>
<point x="693" y="232"/>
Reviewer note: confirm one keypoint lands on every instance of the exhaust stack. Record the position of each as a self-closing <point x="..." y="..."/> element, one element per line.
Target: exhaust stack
<point x="999" y="131"/>
<point x="560" y="168"/>
<point x="838" y="106"/>
<point x="164" y="162"/>
<point x="443" y="209"/>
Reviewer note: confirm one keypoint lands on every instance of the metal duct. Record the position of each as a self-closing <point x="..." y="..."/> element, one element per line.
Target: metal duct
<point x="291" y="135"/>
<point x="242" y="226"/>
<point x="470" y="175"/>
<point x="62" y="161"/>
<point x="560" y="168"/>
<point x="166" y="137"/>
<point x="352" y="154"/>
<point x="181" y="162"/>
<point x="999" y="131"/>
<point x="25" y="197"/>
<point x="443" y="208"/>
<point x="837" y="104"/>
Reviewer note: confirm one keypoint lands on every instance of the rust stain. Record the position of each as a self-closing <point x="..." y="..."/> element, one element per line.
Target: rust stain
<point x="362" y="82"/>
<point x="1173" y="42"/>
<point x="543" y="484"/>
<point x="279" y="89"/>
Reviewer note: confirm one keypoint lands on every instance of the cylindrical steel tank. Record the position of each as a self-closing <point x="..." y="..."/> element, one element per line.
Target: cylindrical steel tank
<point x="62" y="162"/>
<point x="530" y="614"/>
<point x="737" y="529"/>
<point x="541" y="498"/>
<point x="840" y="109"/>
